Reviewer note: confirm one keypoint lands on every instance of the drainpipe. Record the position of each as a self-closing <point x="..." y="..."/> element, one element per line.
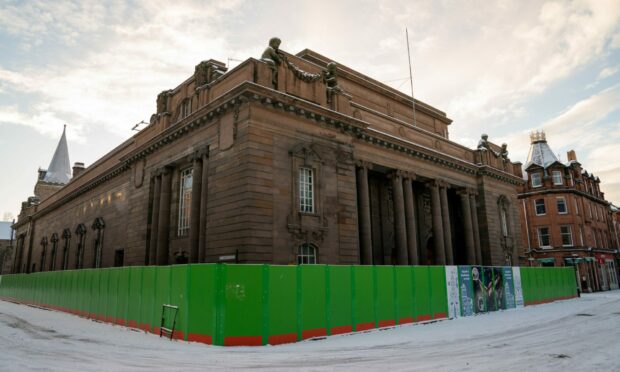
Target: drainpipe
<point x="527" y="232"/>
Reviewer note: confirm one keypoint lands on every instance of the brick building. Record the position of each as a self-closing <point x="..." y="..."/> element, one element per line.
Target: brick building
<point x="287" y="159"/>
<point x="565" y="219"/>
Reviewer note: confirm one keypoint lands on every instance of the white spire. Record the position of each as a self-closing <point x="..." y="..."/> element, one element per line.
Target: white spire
<point x="59" y="170"/>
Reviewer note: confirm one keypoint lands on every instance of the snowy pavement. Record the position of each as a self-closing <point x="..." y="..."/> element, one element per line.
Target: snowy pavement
<point x="574" y="335"/>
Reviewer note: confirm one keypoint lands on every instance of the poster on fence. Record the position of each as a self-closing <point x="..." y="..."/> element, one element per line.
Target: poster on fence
<point x="489" y="288"/>
<point x="509" y="294"/>
<point x="467" y="293"/>
<point x="498" y="288"/>
<point x="480" y="292"/>
<point x="452" y="289"/>
<point x="516" y="277"/>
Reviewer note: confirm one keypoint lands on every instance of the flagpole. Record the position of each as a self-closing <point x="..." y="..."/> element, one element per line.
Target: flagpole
<point x="410" y="77"/>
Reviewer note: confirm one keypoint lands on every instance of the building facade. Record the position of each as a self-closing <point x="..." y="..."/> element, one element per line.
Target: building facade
<point x="566" y="219"/>
<point x="288" y="159"/>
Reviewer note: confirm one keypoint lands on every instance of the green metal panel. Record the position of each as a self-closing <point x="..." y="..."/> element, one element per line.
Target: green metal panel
<point x="202" y="307"/>
<point x="122" y="294"/>
<point x="104" y="284"/>
<point x="242" y="306"/>
<point x="148" y="318"/>
<point x="134" y="299"/>
<point x="421" y="293"/>
<point x="112" y="297"/>
<point x="384" y="300"/>
<point x="439" y="296"/>
<point x="312" y="302"/>
<point x="281" y="305"/>
<point x="179" y="297"/>
<point x="340" y="300"/>
<point x="162" y="292"/>
<point x="363" y="298"/>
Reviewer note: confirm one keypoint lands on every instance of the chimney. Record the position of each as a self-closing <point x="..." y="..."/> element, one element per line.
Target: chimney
<point x="571" y="155"/>
<point x="78" y="168"/>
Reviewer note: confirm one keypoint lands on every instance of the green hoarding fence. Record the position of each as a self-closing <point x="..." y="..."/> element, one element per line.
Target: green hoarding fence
<point x="231" y="305"/>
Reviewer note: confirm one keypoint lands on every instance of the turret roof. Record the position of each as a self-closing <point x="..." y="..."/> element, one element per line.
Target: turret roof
<point x="59" y="170"/>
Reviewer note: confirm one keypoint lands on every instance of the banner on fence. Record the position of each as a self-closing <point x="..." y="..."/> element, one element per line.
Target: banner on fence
<point x="509" y="294"/>
<point x="467" y="293"/>
<point x="516" y="277"/>
<point x="452" y="289"/>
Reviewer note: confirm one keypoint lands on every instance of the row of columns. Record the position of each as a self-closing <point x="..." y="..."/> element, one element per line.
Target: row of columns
<point x="160" y="215"/>
<point x="405" y="224"/>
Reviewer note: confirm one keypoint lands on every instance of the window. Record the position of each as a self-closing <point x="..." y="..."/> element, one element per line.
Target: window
<point x="306" y="190"/>
<point x="543" y="237"/>
<point x="581" y="235"/>
<point x="576" y="206"/>
<point x="540" y="207"/>
<point x="504" y="223"/>
<point x="536" y="180"/>
<point x="79" y="259"/>
<point x="98" y="226"/>
<point x="562" y="206"/>
<point x="186" y="108"/>
<point x="567" y="236"/>
<point x="557" y="178"/>
<point x="306" y="254"/>
<point x="119" y="257"/>
<point x="43" y="253"/>
<point x="590" y="210"/>
<point x="594" y="236"/>
<point x="54" y="251"/>
<point x="185" y="199"/>
<point x="65" y="252"/>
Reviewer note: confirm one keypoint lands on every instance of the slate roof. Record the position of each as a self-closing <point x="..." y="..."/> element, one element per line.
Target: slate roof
<point x="59" y="170"/>
<point x="540" y="154"/>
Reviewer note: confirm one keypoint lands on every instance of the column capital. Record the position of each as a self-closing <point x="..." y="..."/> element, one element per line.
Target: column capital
<point x="409" y="175"/>
<point x="443" y="183"/>
<point x="464" y="192"/>
<point x="472" y="192"/>
<point x="363" y="164"/>
<point x="397" y="173"/>
<point x="431" y="184"/>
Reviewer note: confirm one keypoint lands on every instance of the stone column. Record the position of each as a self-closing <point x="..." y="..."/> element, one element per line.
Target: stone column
<point x="164" y="217"/>
<point x="202" y="234"/>
<point x="364" y="213"/>
<point x="194" y="212"/>
<point x="412" y="234"/>
<point x="400" y="229"/>
<point x="438" y="234"/>
<point x="154" y="220"/>
<point x="474" y="218"/>
<point x="468" y="227"/>
<point x="445" y="214"/>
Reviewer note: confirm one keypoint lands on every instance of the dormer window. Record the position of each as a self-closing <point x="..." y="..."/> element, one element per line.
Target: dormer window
<point x="536" y="180"/>
<point x="557" y="178"/>
<point x="186" y="108"/>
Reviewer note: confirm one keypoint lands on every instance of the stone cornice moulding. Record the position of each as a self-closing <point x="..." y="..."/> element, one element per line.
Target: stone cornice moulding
<point x="563" y="191"/>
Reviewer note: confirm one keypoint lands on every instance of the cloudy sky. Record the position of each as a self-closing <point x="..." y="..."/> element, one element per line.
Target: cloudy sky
<point x="503" y="67"/>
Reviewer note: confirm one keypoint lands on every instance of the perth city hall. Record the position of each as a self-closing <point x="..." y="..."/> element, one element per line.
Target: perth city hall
<point x="285" y="159"/>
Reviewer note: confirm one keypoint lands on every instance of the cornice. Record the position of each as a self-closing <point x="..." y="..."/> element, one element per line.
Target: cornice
<point x="524" y="195"/>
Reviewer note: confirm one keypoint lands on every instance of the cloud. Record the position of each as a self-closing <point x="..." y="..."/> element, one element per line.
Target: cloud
<point x="607" y="72"/>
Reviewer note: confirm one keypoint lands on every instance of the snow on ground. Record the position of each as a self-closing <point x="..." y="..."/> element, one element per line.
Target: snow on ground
<point x="579" y="334"/>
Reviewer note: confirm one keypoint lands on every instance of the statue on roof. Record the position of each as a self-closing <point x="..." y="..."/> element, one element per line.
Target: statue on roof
<point x="502" y="153"/>
<point x="273" y="57"/>
<point x="330" y="77"/>
<point x="483" y="144"/>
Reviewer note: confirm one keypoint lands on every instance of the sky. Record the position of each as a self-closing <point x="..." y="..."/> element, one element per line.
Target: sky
<point x="504" y="68"/>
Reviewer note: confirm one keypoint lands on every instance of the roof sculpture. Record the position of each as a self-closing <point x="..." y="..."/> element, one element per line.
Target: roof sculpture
<point x="540" y="153"/>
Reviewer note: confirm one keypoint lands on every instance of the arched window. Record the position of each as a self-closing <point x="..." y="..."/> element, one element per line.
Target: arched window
<point x="80" y="231"/>
<point x="43" y="253"/>
<point x="66" y="235"/>
<point x="54" y="241"/>
<point x="306" y="254"/>
<point x="98" y="226"/>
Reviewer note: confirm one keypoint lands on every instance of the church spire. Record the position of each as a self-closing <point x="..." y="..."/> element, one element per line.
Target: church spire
<point x="59" y="170"/>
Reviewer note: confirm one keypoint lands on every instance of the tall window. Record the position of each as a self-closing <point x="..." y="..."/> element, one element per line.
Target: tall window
<point x="306" y="190"/>
<point x="536" y="180"/>
<point x="590" y="210"/>
<point x="306" y="254"/>
<point x="504" y="223"/>
<point x="43" y="253"/>
<point x="185" y="199"/>
<point x="98" y="226"/>
<point x="576" y="206"/>
<point x="543" y="237"/>
<point x="540" y="207"/>
<point x="557" y="178"/>
<point x="65" y="252"/>
<point x="581" y="235"/>
<point x="562" y="205"/>
<point x="186" y="108"/>
<point x="567" y="236"/>
<point x="80" y="231"/>
<point x="54" y="251"/>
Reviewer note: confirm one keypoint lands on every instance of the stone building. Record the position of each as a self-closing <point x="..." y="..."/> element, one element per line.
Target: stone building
<point x="566" y="219"/>
<point x="6" y="245"/>
<point x="285" y="159"/>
